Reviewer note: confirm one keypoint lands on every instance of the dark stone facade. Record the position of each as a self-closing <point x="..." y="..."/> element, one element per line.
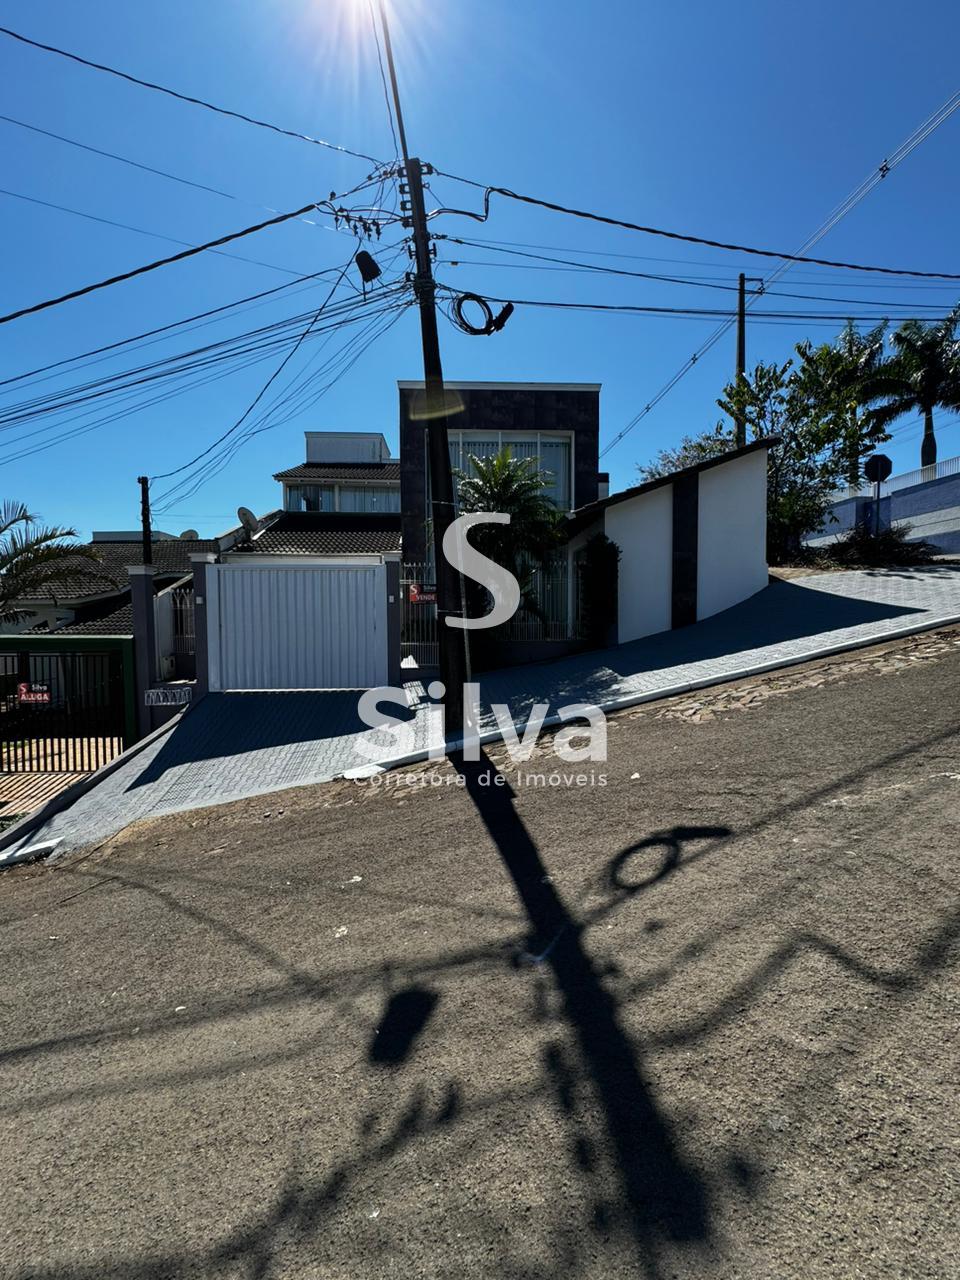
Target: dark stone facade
<point x="495" y="408"/>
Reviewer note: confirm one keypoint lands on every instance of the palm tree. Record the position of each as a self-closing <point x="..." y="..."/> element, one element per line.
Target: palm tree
<point x="923" y="374"/>
<point x="838" y="379"/>
<point x="515" y="486"/>
<point x="32" y="556"/>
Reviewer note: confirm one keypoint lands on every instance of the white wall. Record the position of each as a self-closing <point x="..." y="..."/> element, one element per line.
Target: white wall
<point x="642" y="527"/>
<point x="346" y="446"/>
<point x="732" y="547"/>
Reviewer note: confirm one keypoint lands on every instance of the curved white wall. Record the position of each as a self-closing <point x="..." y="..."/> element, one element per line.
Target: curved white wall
<point x="642" y="527"/>
<point x="732" y="538"/>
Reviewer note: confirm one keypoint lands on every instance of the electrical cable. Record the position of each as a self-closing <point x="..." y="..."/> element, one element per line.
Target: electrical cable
<point x="266" y="386"/>
<point x="141" y="231"/>
<point x="187" y="324"/>
<point x="183" y="97"/>
<point x="383" y="80"/>
<point x="687" y="238"/>
<point x="572" y="264"/>
<point x="153" y="266"/>
<point x="190" y="485"/>
<point x="264" y="338"/>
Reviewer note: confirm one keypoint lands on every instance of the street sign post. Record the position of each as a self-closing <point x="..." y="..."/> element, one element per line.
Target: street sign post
<point x="877" y="468"/>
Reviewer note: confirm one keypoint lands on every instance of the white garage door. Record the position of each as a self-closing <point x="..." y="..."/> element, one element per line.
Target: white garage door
<point x="298" y="628"/>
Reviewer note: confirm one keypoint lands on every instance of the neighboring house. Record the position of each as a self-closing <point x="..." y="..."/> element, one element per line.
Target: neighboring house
<point x="928" y="500"/>
<point x="96" y="593"/>
<point x="344" y="471"/>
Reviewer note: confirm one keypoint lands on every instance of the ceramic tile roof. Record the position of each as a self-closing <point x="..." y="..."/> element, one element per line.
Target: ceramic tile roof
<point x="309" y="533"/>
<point x="171" y="558"/>
<point x="318" y="472"/>
<point x="117" y="623"/>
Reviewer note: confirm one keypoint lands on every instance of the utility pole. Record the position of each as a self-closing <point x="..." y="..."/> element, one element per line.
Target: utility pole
<point x="451" y="644"/>
<point x="144" y="483"/>
<point x="741" y="422"/>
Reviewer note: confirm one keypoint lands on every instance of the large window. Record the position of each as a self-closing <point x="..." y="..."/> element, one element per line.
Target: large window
<point x="369" y="497"/>
<point x="324" y="497"/>
<point x="552" y="451"/>
<point x="310" y="497"/>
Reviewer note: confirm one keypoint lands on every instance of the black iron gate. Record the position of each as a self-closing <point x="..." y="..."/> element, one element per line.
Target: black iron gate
<point x="60" y="712"/>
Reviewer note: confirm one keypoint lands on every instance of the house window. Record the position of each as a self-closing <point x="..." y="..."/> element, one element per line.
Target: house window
<point x="323" y="497"/>
<point x="552" y="451"/>
<point x="369" y="497"/>
<point x="310" y="497"/>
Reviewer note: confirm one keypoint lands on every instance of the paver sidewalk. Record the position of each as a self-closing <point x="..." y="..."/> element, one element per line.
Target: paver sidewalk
<point x="237" y="745"/>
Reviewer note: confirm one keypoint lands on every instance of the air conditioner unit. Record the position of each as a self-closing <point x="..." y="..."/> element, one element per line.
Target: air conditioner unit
<point x="167" y="668"/>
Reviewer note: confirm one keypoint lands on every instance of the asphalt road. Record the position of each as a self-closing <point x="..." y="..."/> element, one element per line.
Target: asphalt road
<point x="700" y="1021"/>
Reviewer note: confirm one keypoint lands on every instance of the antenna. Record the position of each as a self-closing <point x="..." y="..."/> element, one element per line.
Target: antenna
<point x="248" y="519"/>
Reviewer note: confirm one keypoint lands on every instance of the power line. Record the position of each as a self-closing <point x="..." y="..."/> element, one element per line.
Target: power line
<point x="856" y="196"/>
<point x="632" y="308"/>
<point x="141" y="231"/>
<point x="183" y="97"/>
<point x="693" y="281"/>
<point x="685" y="237"/>
<point x="186" y="379"/>
<point x="226" y="349"/>
<point x="200" y="316"/>
<point x="263" y="390"/>
<point x="147" y="168"/>
<point x="383" y="81"/>
<point x="346" y="357"/>
<point x="152" y="266"/>
<point x="112" y="155"/>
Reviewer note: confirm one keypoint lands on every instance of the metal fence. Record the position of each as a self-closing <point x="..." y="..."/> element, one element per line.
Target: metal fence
<point x="549" y="616"/>
<point x="61" y="711"/>
<point x="906" y="480"/>
<point x="184" y="635"/>
<point x="418" y="615"/>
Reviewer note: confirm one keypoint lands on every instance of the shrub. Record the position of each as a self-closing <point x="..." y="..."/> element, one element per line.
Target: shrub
<point x="861" y="546"/>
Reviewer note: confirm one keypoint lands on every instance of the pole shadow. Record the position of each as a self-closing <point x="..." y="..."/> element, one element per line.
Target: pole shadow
<point x="664" y="1199"/>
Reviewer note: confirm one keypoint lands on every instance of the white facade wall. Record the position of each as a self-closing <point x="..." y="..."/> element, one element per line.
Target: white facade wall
<point x="732" y="539"/>
<point x="642" y="527"/>
<point x="346" y="446"/>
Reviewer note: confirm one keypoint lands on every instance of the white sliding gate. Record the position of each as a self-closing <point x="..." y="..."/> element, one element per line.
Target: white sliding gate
<point x="297" y="627"/>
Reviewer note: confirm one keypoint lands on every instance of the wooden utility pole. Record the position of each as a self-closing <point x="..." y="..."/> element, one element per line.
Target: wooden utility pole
<point x="740" y="421"/>
<point x="451" y="641"/>
<point x="144" y="483"/>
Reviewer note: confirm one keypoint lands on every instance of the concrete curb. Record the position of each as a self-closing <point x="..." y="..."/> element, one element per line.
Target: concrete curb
<point x="33" y="821"/>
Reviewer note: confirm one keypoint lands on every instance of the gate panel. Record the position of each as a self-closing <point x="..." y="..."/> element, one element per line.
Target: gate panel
<point x="60" y="712"/>
<point x="300" y="628"/>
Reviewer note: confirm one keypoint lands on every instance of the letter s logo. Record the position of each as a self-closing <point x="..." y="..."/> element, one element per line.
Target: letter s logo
<point x="500" y="582"/>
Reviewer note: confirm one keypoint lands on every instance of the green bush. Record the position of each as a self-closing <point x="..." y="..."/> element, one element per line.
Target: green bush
<point x="861" y="546"/>
<point x="598" y="568"/>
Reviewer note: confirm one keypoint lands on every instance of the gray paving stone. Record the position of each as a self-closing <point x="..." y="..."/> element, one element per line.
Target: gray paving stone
<point x="237" y="745"/>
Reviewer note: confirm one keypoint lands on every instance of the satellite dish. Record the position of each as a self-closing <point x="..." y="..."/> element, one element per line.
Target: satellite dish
<point x="248" y="519"/>
<point x="189" y="535"/>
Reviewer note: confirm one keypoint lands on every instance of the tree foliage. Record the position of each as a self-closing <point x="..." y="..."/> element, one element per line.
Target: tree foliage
<point x="922" y="375"/>
<point x="32" y="556"/>
<point x="517" y="487"/>
<point x="816" y="405"/>
<point x="690" y="451"/>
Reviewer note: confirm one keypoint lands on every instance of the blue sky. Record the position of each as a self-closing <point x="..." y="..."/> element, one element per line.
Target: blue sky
<point x="746" y="123"/>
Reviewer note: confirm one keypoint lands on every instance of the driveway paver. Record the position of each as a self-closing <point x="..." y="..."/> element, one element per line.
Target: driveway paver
<point x="237" y="745"/>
